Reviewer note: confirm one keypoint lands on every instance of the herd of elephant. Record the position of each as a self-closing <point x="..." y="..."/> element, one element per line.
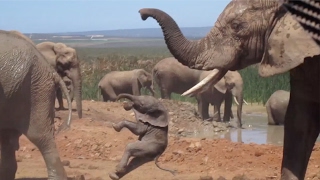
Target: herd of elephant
<point x="246" y="32"/>
<point x="173" y="77"/>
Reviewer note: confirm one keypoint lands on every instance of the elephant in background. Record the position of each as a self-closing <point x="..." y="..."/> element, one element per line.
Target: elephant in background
<point x="27" y="93"/>
<point x="129" y="82"/>
<point x="173" y="77"/>
<point x="65" y="60"/>
<point x="276" y="107"/>
<point x="248" y="32"/>
<point x="70" y="89"/>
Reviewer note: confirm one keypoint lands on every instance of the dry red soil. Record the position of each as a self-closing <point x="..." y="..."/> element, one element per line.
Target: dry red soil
<point x="93" y="149"/>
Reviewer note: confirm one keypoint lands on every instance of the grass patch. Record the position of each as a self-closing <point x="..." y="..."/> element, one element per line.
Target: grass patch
<point x="96" y="62"/>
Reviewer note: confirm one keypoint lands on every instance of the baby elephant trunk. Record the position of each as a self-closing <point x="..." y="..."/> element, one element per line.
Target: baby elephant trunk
<point x="156" y="163"/>
<point x="132" y="98"/>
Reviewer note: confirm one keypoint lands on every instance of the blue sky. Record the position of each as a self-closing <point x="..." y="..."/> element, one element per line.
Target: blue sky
<point x="45" y="16"/>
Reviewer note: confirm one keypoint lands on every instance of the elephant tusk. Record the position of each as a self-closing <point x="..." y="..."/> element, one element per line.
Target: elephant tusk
<point x="245" y="102"/>
<point x="235" y="99"/>
<point x="203" y="85"/>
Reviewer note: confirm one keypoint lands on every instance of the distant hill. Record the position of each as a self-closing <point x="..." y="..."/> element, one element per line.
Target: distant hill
<point x="189" y="32"/>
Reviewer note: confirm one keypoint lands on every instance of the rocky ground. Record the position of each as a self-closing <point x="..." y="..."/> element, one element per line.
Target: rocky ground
<point x="92" y="148"/>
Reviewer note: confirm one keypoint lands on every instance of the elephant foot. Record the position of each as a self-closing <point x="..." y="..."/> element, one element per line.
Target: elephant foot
<point x="62" y="108"/>
<point x="120" y="170"/>
<point x="117" y="127"/>
<point x="113" y="176"/>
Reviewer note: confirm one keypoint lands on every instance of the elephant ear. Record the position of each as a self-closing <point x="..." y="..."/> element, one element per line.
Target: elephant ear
<point x="46" y="49"/>
<point x="151" y="111"/>
<point x="142" y="77"/>
<point x="65" y="55"/>
<point x="221" y="86"/>
<point x="286" y="48"/>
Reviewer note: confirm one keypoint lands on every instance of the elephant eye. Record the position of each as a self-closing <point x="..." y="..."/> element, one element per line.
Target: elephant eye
<point x="236" y="26"/>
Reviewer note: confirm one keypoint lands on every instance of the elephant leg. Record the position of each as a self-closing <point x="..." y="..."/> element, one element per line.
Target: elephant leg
<point x="9" y="141"/>
<point x="105" y="97"/>
<point x="42" y="136"/>
<point x="227" y="107"/>
<point x="217" y="113"/>
<point x="301" y="129"/>
<point x="203" y="108"/>
<point x="140" y="149"/>
<point x="59" y="97"/>
<point x="133" y="164"/>
<point x="111" y="95"/>
<point x="132" y="126"/>
<point x="165" y="94"/>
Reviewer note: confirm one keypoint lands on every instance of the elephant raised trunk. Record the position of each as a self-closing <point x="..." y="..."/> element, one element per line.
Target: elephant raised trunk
<point x="173" y="36"/>
<point x="137" y="104"/>
<point x="192" y="53"/>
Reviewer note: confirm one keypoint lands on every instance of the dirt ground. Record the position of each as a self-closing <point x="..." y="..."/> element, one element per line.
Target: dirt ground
<point x="93" y="149"/>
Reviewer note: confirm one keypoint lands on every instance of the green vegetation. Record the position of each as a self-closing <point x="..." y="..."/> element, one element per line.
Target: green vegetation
<point x="96" y="62"/>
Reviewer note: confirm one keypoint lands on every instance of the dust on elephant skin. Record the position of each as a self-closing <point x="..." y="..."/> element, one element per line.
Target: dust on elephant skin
<point x="152" y="129"/>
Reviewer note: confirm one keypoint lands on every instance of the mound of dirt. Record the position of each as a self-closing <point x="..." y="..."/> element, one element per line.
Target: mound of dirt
<point x="185" y="120"/>
<point x="91" y="147"/>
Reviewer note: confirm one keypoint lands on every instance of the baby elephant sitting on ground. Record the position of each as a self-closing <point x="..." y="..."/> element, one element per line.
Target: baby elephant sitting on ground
<point x="152" y="129"/>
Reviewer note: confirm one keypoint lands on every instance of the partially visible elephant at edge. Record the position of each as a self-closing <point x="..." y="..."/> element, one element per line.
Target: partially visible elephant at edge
<point x="276" y="107"/>
<point x="65" y="60"/>
<point x="173" y="77"/>
<point x="27" y="93"/>
<point x="305" y="13"/>
<point x="130" y="82"/>
<point x="21" y="35"/>
<point x="249" y="32"/>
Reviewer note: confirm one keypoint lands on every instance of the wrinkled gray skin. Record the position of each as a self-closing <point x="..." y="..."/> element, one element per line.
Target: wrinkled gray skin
<point x="249" y="31"/>
<point x="70" y="89"/>
<point x="173" y="77"/>
<point x="276" y="107"/>
<point x="66" y="62"/>
<point x="27" y="93"/>
<point x="130" y="82"/>
<point x="307" y="14"/>
<point x="152" y="129"/>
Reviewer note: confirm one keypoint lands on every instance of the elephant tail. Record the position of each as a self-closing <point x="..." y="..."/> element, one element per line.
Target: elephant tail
<point x="65" y="92"/>
<point x="156" y="160"/>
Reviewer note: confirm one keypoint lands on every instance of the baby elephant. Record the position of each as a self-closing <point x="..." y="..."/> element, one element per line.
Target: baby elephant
<point x="276" y="106"/>
<point x="152" y="129"/>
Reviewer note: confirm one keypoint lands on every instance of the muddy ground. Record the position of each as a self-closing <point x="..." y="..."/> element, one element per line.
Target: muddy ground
<point x="93" y="149"/>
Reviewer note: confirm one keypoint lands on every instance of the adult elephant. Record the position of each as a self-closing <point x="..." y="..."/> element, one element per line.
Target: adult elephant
<point x="66" y="62"/>
<point x="173" y="77"/>
<point x="276" y="107"/>
<point x="245" y="33"/>
<point x="130" y="82"/>
<point x="27" y="94"/>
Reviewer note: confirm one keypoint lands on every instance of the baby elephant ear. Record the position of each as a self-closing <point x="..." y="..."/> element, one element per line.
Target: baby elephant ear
<point x="155" y="113"/>
<point x="287" y="47"/>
